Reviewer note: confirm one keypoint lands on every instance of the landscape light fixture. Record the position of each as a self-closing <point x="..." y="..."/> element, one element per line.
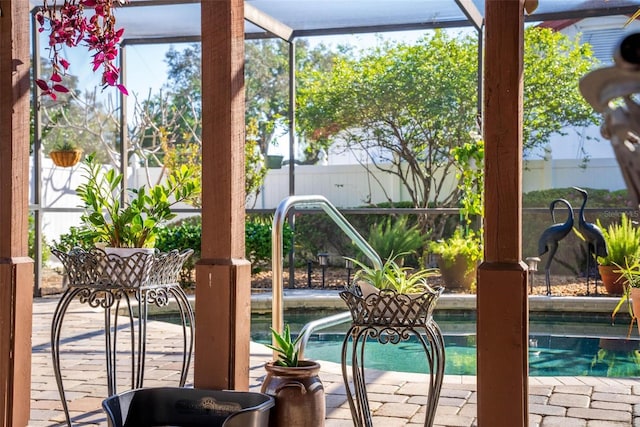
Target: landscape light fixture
<point x="323" y="260"/>
<point x="348" y="264"/>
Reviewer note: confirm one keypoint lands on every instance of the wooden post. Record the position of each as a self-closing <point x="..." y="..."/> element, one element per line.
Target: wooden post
<point x="502" y="278"/>
<point x="223" y="276"/>
<point x="16" y="269"/>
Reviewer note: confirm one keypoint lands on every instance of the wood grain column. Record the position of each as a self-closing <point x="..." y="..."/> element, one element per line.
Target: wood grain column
<point x="16" y="269"/>
<point x="223" y="276"/>
<point x="502" y="280"/>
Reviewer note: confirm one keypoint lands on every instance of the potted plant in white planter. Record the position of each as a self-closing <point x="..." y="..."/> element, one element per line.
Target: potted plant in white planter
<point x="295" y="385"/>
<point x="132" y="224"/>
<point x="126" y="232"/>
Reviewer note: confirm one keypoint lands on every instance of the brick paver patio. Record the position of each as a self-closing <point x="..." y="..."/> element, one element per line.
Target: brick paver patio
<point x="397" y="399"/>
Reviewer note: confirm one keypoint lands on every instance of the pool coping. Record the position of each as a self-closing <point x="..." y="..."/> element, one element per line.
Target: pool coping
<point x="317" y="299"/>
<point x="329" y="299"/>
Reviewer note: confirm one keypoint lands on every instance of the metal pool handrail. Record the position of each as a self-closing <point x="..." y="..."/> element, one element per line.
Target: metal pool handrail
<point x="319" y="324"/>
<point x="277" y="309"/>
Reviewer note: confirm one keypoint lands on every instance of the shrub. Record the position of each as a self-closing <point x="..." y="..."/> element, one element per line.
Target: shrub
<point x="258" y="241"/>
<point x="184" y="234"/>
<point x="76" y="237"/>
<point x="46" y="250"/>
<point x="389" y="237"/>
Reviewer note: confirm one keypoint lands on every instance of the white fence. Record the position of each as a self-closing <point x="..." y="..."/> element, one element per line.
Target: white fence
<point x="350" y="185"/>
<point x="344" y="185"/>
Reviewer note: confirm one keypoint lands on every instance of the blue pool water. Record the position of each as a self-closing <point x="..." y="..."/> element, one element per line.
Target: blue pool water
<point x="556" y="347"/>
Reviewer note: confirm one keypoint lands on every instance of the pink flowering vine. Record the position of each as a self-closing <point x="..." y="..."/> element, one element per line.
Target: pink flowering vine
<point x="68" y="26"/>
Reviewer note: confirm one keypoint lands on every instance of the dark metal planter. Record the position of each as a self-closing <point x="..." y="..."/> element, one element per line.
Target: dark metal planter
<point x="104" y="280"/>
<point x="391" y="318"/>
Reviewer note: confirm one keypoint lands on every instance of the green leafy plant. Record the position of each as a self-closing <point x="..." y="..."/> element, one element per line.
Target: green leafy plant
<point x="258" y="240"/>
<point x="65" y="146"/>
<point x="631" y="273"/>
<point x="469" y="246"/>
<point x="388" y="237"/>
<point x="75" y="237"/>
<point x="393" y="276"/>
<point x="132" y="224"/>
<point x="286" y="347"/>
<point x="623" y="242"/>
<point x="186" y="233"/>
<point x="46" y="250"/>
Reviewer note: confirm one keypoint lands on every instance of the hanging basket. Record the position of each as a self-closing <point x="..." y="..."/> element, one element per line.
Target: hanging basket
<point x="65" y="159"/>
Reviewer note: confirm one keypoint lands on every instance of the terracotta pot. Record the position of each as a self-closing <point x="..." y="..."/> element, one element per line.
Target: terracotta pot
<point x="635" y="302"/>
<point x="65" y="159"/>
<point x="299" y="395"/>
<point x="613" y="282"/>
<point x="457" y="274"/>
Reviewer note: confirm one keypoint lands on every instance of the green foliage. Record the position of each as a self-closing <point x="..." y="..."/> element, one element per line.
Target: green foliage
<point x="46" y="250"/>
<point x="631" y="273"/>
<point x="286" y="348"/>
<point x="393" y="276"/>
<point x="182" y="235"/>
<point x="468" y="245"/>
<point x="410" y="106"/>
<point x="76" y="237"/>
<point x="258" y="240"/>
<point x="65" y="146"/>
<point x="553" y="64"/>
<point x="623" y="241"/>
<point x="598" y="198"/>
<point x="135" y="223"/>
<point x="388" y="237"/>
<point x="470" y="159"/>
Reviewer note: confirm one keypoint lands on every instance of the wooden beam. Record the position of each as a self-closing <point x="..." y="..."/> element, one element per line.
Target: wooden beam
<point x="223" y="276"/>
<point x="502" y="304"/>
<point x="471" y="12"/>
<point x="268" y="23"/>
<point x="16" y="269"/>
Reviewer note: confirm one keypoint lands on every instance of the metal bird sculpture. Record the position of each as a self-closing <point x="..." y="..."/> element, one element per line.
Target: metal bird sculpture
<point x="550" y="237"/>
<point x="596" y="243"/>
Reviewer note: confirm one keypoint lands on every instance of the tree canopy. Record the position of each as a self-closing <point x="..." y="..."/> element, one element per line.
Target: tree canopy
<point x="408" y="106"/>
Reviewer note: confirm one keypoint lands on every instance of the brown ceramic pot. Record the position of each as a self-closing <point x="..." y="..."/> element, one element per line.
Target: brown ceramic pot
<point x="299" y="395"/>
<point x="613" y="282"/>
<point x="457" y="274"/>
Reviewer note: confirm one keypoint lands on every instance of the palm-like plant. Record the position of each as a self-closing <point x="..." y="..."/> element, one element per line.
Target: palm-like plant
<point x="623" y="242"/>
<point x="393" y="276"/>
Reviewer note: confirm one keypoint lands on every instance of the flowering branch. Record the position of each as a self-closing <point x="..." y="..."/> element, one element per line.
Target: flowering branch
<point x="68" y="26"/>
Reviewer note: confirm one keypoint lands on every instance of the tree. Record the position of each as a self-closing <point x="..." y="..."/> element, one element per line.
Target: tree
<point x="409" y="106"/>
<point x="266" y="96"/>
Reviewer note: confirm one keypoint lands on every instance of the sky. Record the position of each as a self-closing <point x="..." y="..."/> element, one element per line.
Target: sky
<point x="146" y="70"/>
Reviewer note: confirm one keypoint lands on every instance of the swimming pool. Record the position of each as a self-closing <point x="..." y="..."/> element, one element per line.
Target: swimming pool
<point x="586" y="345"/>
<point x="557" y="347"/>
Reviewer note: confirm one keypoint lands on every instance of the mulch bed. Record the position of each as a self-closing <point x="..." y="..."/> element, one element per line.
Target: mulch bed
<point x="336" y="278"/>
